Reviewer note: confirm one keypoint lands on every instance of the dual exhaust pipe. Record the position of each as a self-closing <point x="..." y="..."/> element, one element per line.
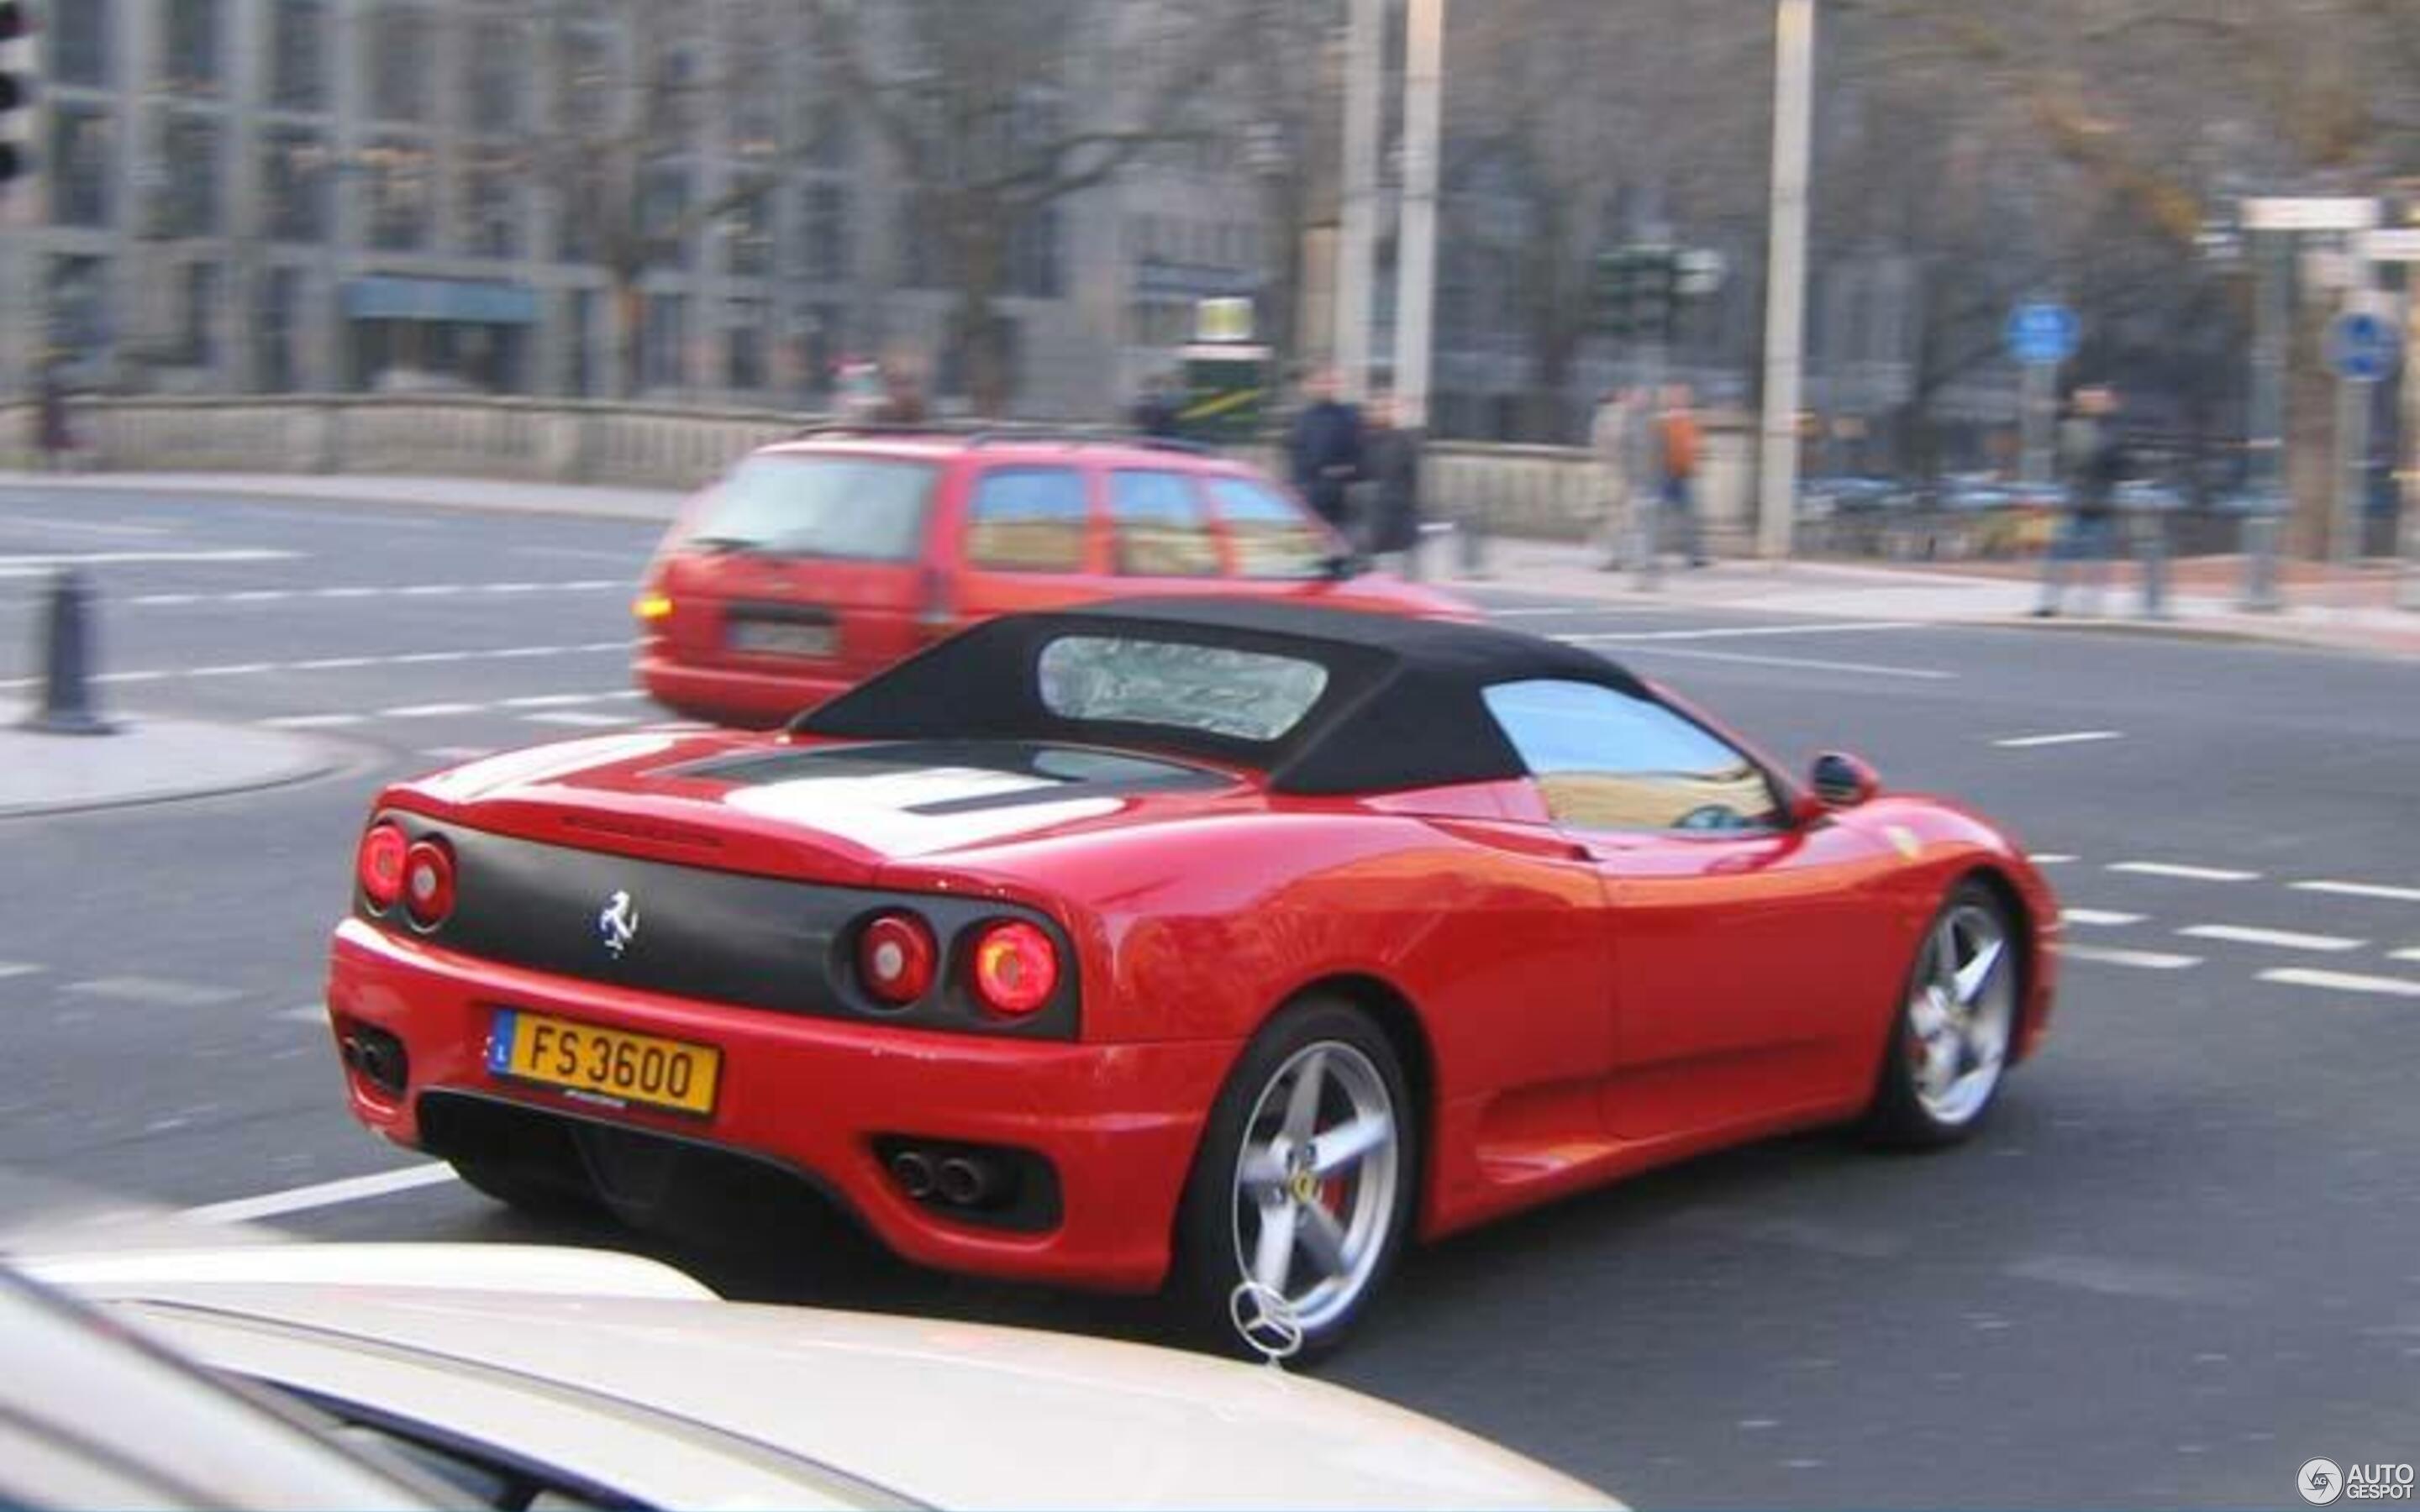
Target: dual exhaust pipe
<point x="960" y="1178"/>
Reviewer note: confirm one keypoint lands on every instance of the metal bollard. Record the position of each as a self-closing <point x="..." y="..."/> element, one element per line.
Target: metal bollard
<point x="1470" y="533"/>
<point x="2151" y="555"/>
<point x="2406" y="592"/>
<point x="1647" y="533"/>
<point x="67" y="651"/>
<point x="2260" y="534"/>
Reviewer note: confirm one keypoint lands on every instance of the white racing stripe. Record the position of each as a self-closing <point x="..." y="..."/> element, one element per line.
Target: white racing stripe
<point x="2145" y="960"/>
<point x="2281" y="939"/>
<point x="2098" y="918"/>
<point x="2343" y="982"/>
<point x="323" y="1195"/>
<point x="2360" y="890"/>
<point x="2075" y="737"/>
<point x="2186" y="873"/>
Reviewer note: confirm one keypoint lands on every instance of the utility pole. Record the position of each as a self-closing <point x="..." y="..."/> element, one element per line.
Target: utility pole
<point x="1416" y="272"/>
<point x="1356" y="254"/>
<point x="1785" y="300"/>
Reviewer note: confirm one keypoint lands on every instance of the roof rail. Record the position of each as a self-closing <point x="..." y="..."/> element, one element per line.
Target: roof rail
<point x="996" y="434"/>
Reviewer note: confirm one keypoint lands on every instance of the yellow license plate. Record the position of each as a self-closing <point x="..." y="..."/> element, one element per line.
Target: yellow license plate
<point x="606" y="1063"/>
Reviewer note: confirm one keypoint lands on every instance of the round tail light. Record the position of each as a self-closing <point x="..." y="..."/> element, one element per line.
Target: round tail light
<point x="894" y="959"/>
<point x="379" y="866"/>
<point x="429" y="882"/>
<point x="1016" y="968"/>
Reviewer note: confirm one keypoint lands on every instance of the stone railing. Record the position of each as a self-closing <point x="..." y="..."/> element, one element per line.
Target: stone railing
<point x="1541" y="491"/>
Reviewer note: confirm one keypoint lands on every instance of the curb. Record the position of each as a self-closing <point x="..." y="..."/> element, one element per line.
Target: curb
<point x="250" y="491"/>
<point x="282" y="760"/>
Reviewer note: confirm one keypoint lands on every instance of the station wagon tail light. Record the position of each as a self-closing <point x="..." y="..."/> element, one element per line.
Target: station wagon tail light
<point x="934" y="615"/>
<point x="379" y="865"/>
<point x="429" y="882"/>
<point x="894" y="959"/>
<point x="653" y="607"/>
<point x="1016" y="968"/>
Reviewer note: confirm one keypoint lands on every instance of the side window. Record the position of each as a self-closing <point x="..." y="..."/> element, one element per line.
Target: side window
<point x="1026" y="520"/>
<point x="1609" y="760"/>
<point x="1162" y="531"/>
<point x="1274" y="536"/>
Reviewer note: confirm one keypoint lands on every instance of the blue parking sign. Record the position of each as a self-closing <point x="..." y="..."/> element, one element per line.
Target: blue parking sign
<point x="2041" y="333"/>
<point x="2362" y="347"/>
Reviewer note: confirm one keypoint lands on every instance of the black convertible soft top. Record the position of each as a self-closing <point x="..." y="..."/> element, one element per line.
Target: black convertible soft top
<point x="1403" y="707"/>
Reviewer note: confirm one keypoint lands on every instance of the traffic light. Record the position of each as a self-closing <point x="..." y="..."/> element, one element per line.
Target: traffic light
<point x="16" y="90"/>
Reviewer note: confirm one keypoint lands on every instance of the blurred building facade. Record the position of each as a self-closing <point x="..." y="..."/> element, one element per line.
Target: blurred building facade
<point x="346" y="195"/>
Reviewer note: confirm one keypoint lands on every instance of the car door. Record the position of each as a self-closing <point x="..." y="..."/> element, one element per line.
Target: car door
<point x="1742" y="942"/>
<point x="1026" y="541"/>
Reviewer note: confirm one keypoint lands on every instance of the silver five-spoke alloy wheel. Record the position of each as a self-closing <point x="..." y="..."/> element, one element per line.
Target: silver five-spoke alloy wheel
<point x="1961" y="1014"/>
<point x="1315" y="1182"/>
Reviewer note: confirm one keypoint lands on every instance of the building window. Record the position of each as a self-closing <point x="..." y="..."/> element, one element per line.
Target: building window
<point x="576" y="220"/>
<point x="401" y="48"/>
<point x="664" y="208"/>
<point x="293" y="183"/>
<point x="670" y="104"/>
<point x="399" y="181"/>
<point x="748" y="231"/>
<point x="579" y="322"/>
<point x="489" y="201"/>
<point x="666" y="342"/>
<point x="83" y="151"/>
<point x="79" y="36"/>
<point x="498" y="78"/>
<point x="198" y="300"/>
<point x="827" y="129"/>
<point x="585" y="86"/>
<point x="281" y="314"/>
<point x="1034" y="262"/>
<point x="189" y="62"/>
<point x="79" y="305"/>
<point x="298" y="61"/>
<point x="826" y="237"/>
<point x="744" y="344"/>
<point x="190" y="171"/>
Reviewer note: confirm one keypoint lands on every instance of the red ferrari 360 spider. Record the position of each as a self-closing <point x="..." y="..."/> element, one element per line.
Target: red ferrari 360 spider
<point x="1229" y="943"/>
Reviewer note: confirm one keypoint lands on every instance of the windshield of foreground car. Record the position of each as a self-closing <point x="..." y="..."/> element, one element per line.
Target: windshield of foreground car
<point x="1242" y="695"/>
<point x="861" y="508"/>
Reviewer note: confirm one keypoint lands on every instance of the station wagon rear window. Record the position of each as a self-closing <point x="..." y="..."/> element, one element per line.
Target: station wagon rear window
<point x="859" y="508"/>
<point x="1214" y="690"/>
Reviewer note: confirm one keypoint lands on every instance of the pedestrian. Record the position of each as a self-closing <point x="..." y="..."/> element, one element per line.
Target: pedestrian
<point x="1390" y="457"/>
<point x="1155" y="410"/>
<point x="903" y="397"/>
<point x="1325" y="451"/>
<point x="1683" y="447"/>
<point x="2092" y="459"/>
<point x="55" y="433"/>
<point x="1614" y="439"/>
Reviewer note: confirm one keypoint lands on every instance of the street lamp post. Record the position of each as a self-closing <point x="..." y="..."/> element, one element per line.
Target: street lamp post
<point x="1785" y="309"/>
<point x="1424" y="86"/>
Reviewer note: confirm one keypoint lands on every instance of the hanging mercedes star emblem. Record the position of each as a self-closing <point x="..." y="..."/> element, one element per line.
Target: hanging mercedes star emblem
<point x="617" y="924"/>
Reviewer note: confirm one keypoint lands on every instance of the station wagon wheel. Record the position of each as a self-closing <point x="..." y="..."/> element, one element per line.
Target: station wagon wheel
<point x="1950" y="1049"/>
<point x="1303" y="1191"/>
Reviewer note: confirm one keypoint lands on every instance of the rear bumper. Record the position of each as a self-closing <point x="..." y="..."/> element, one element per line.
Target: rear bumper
<point x="1118" y="1123"/>
<point x="757" y="699"/>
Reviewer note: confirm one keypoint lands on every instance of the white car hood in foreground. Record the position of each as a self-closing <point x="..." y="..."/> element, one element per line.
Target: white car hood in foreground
<point x="953" y="1414"/>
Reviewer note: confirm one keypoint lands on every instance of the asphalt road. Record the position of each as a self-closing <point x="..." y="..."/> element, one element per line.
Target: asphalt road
<point x="2183" y="1258"/>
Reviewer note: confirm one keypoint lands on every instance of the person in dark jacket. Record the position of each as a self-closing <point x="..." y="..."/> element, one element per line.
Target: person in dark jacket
<point x="1325" y="450"/>
<point x="53" y="434"/>
<point x="1391" y="460"/>
<point x="1154" y="411"/>
<point x="2092" y="459"/>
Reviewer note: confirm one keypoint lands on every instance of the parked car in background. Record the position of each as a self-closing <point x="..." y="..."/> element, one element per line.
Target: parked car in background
<point x="816" y="562"/>
<point x="521" y="1377"/>
<point x="1821" y="497"/>
<point x="2150" y="495"/>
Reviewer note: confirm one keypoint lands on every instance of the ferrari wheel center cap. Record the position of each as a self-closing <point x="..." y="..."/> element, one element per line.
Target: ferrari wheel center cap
<point x="1305" y="1185"/>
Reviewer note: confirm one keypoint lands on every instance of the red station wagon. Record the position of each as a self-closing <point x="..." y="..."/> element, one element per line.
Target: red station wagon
<point x="818" y="561"/>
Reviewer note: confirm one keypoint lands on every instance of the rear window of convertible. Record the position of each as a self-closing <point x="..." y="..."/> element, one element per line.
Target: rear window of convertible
<point x="861" y="508"/>
<point x="1239" y="695"/>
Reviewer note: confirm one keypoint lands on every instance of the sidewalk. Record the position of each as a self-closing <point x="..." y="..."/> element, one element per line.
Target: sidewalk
<point x="147" y="760"/>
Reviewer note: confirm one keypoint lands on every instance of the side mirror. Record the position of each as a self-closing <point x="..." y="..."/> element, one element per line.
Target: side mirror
<point x="1842" y="781"/>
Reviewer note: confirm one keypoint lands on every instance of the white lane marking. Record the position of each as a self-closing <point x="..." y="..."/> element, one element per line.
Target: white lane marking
<point x="259" y="596"/>
<point x="1735" y="632"/>
<point x="2051" y="858"/>
<point x="329" y="664"/>
<point x="2360" y="890"/>
<point x="583" y="648"/>
<point x="84" y="527"/>
<point x="306" y="1013"/>
<point x="157" y="992"/>
<point x="429" y="711"/>
<point x="233" y="669"/>
<point x="109" y="677"/>
<point x="512" y="588"/>
<point x="2146" y="960"/>
<point x="148" y="599"/>
<point x="547" y="701"/>
<point x="2073" y="737"/>
<point x="18" y="969"/>
<point x="2187" y="874"/>
<point x="2098" y="917"/>
<point x="2343" y="982"/>
<point x="1802" y="663"/>
<point x="582" y="721"/>
<point x="1527" y="612"/>
<point x="315" y="721"/>
<point x="323" y="1195"/>
<point x="20" y="566"/>
<point x="2413" y="954"/>
<point x="421" y="658"/>
<point x="430" y="590"/>
<point x="2281" y="939"/>
<point x="349" y="593"/>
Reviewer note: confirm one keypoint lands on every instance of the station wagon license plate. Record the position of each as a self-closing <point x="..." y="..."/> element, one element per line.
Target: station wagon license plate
<point x="599" y="1062"/>
<point x="783" y="638"/>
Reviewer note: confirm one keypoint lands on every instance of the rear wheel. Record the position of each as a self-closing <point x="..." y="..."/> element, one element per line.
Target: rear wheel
<point x="1302" y="1193"/>
<point x="1949" y="1050"/>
